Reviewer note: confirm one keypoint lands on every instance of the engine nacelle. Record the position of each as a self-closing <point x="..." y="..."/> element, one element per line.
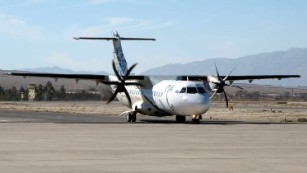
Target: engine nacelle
<point x="212" y="83"/>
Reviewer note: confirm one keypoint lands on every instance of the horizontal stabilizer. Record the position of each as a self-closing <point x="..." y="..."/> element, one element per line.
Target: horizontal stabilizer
<point x="112" y="38"/>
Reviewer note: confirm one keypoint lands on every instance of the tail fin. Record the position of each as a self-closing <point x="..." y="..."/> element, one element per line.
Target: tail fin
<point x="118" y="55"/>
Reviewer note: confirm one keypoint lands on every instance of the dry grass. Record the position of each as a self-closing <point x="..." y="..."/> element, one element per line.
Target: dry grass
<point x="245" y="111"/>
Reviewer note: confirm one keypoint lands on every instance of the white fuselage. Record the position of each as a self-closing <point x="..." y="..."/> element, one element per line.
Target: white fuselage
<point x="169" y="97"/>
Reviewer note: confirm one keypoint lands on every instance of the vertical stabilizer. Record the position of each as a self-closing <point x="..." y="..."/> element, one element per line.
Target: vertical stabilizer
<point x="118" y="55"/>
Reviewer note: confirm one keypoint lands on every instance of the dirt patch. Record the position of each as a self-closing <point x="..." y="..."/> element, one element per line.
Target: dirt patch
<point x="88" y="107"/>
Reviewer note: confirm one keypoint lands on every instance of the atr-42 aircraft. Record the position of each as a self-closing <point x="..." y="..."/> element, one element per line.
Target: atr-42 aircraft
<point x="159" y="96"/>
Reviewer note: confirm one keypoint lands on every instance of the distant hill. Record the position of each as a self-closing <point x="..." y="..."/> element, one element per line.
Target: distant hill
<point x="292" y="61"/>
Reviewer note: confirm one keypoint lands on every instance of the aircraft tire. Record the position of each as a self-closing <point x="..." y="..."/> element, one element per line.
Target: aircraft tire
<point x="195" y="121"/>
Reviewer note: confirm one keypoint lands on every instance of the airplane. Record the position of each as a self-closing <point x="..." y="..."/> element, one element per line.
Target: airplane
<point x="181" y="95"/>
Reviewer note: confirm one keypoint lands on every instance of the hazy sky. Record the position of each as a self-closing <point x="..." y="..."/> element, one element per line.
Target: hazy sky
<point x="38" y="33"/>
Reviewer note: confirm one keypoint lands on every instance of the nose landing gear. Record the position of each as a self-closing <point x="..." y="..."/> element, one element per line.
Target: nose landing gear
<point x="196" y="119"/>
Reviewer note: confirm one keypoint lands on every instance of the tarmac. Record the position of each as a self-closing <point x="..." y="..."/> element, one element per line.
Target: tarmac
<point x="68" y="143"/>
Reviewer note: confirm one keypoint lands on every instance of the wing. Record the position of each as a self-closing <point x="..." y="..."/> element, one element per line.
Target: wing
<point x="235" y="78"/>
<point x="250" y="78"/>
<point x="105" y="78"/>
<point x="77" y="77"/>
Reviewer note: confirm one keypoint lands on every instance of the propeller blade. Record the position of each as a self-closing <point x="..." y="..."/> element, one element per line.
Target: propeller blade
<point x="229" y="74"/>
<point x="226" y="99"/>
<point x="113" y="96"/>
<point x="213" y="94"/>
<point x="217" y="72"/>
<point x="128" y="97"/>
<point x="129" y="70"/>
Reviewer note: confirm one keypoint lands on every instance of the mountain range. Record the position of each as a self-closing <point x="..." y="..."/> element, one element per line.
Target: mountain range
<point x="291" y="61"/>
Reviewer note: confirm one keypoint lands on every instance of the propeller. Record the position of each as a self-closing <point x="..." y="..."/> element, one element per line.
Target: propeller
<point x="221" y="84"/>
<point x="121" y="83"/>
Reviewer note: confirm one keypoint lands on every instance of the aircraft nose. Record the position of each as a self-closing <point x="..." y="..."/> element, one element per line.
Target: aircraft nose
<point x="201" y="104"/>
<point x="192" y="104"/>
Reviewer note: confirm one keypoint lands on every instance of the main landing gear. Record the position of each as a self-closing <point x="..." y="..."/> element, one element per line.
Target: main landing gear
<point x="180" y="119"/>
<point x="195" y="119"/>
<point x="131" y="116"/>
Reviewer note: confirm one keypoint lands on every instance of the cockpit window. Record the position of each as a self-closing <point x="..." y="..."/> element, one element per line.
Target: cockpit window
<point x="183" y="90"/>
<point x="191" y="90"/>
<point x="201" y="90"/>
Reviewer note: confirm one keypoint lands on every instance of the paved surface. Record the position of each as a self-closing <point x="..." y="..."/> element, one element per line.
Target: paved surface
<point x="49" y="142"/>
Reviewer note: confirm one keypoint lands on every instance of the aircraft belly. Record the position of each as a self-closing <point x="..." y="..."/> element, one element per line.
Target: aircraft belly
<point x="147" y="106"/>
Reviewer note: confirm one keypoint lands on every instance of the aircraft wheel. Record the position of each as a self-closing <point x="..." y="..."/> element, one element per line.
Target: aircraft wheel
<point x="195" y="121"/>
<point x="180" y="119"/>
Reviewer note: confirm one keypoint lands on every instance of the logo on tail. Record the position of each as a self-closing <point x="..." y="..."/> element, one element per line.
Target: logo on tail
<point x="118" y="55"/>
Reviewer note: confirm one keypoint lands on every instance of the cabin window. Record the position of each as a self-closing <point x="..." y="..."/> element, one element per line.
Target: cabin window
<point x="183" y="90"/>
<point x="191" y="90"/>
<point x="201" y="90"/>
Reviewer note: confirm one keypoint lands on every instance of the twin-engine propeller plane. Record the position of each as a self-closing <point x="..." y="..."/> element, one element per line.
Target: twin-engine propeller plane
<point x="159" y="96"/>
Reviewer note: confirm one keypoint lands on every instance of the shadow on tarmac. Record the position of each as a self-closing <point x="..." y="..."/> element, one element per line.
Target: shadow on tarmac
<point x="221" y="122"/>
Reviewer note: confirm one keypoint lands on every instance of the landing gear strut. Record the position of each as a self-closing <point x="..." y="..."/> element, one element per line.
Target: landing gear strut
<point x="131" y="116"/>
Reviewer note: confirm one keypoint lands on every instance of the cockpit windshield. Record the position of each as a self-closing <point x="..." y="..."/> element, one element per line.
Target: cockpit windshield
<point x="183" y="90"/>
<point x="201" y="90"/>
<point x="192" y="90"/>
